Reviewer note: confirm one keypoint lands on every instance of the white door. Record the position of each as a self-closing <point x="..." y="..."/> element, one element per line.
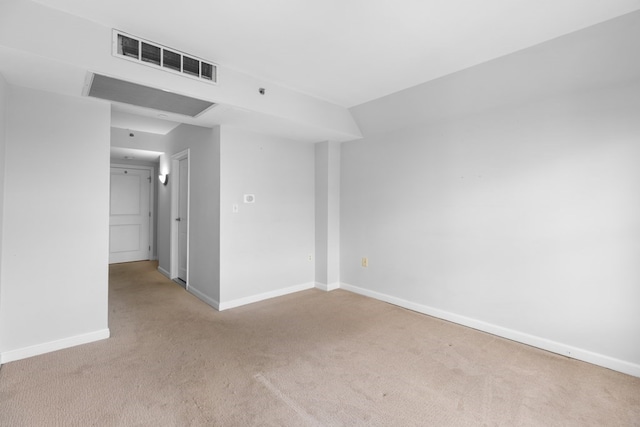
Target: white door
<point x="183" y="218"/>
<point x="129" y="215"/>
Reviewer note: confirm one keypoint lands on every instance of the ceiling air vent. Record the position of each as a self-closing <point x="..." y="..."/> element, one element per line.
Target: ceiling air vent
<point x="153" y="54"/>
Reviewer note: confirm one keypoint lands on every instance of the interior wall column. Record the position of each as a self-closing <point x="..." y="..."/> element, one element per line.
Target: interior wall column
<point x="327" y="210"/>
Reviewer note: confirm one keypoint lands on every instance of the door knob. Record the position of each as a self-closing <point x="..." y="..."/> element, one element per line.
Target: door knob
<point x="178" y="219"/>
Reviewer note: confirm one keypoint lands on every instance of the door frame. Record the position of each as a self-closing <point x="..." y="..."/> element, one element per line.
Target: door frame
<point x="152" y="192"/>
<point x="175" y="209"/>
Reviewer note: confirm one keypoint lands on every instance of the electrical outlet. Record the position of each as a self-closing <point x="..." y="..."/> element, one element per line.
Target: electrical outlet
<point x="365" y="262"/>
<point x="310" y="257"/>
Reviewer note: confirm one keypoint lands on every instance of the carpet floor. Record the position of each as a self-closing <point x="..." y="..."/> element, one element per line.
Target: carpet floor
<point x="311" y="358"/>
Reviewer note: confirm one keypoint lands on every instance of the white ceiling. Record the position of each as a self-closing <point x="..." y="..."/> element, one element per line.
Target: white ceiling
<point x="348" y="51"/>
<point x="123" y="120"/>
<point x="119" y="153"/>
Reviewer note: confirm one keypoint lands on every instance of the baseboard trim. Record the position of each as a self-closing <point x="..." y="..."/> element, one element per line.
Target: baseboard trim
<point x="264" y="296"/>
<point x="164" y="272"/>
<point x="521" y="337"/>
<point x="328" y="287"/>
<point x="38" y="349"/>
<point x="204" y="298"/>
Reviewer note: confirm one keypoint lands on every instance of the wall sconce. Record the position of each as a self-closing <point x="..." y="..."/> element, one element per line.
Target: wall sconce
<point x="164" y="178"/>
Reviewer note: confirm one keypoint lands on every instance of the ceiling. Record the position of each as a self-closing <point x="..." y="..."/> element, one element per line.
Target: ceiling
<point x="135" y="154"/>
<point x="349" y="51"/>
<point x="346" y="52"/>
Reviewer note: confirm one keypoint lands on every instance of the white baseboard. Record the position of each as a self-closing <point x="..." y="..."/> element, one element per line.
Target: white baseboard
<point x="266" y="295"/>
<point x="210" y="301"/>
<point x="328" y="287"/>
<point x="164" y="272"/>
<point x="524" y="338"/>
<point x="35" y="350"/>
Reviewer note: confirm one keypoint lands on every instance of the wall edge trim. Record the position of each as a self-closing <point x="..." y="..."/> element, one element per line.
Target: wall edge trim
<point x="327" y="286"/>
<point x="266" y="295"/>
<point x="562" y="349"/>
<point x="48" y="347"/>
<point x="204" y="298"/>
<point x="164" y="272"/>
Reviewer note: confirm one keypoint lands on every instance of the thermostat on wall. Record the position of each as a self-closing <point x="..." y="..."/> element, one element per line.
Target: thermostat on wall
<point x="249" y="198"/>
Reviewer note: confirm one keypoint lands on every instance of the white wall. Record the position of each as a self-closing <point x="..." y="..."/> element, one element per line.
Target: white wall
<point x="321" y="159"/>
<point x="327" y="215"/>
<point x="204" y="209"/>
<point x="163" y="232"/>
<point x="55" y="237"/>
<point x="3" y="126"/>
<point x="597" y="56"/>
<point x="519" y="219"/>
<point x="265" y="245"/>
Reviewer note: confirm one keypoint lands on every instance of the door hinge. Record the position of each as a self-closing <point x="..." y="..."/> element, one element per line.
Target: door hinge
<point x="149" y="178"/>
<point x="149" y="247"/>
<point x="149" y="214"/>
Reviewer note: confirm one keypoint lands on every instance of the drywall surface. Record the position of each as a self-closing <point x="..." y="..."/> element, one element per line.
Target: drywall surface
<point x="204" y="194"/>
<point x="333" y="217"/>
<point x="163" y="224"/>
<point x="523" y="218"/>
<point x="327" y="214"/>
<point x="265" y="245"/>
<point x="56" y="217"/>
<point x="321" y="159"/>
<point x="505" y="196"/>
<point x="204" y="208"/>
<point x="598" y="56"/>
<point x="3" y="126"/>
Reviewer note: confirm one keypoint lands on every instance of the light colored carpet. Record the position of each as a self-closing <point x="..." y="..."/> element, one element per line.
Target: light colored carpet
<point x="308" y="359"/>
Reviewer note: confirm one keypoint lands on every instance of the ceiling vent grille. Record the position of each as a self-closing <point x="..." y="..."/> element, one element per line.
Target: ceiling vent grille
<point x="155" y="55"/>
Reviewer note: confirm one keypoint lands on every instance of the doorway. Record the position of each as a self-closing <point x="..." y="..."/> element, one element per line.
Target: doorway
<point x="130" y="208"/>
<point x="180" y="166"/>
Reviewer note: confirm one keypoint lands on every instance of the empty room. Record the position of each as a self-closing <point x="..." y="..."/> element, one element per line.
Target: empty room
<point x="320" y="213"/>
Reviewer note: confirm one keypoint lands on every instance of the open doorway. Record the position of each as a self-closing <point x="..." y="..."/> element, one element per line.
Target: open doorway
<point x="131" y="170"/>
